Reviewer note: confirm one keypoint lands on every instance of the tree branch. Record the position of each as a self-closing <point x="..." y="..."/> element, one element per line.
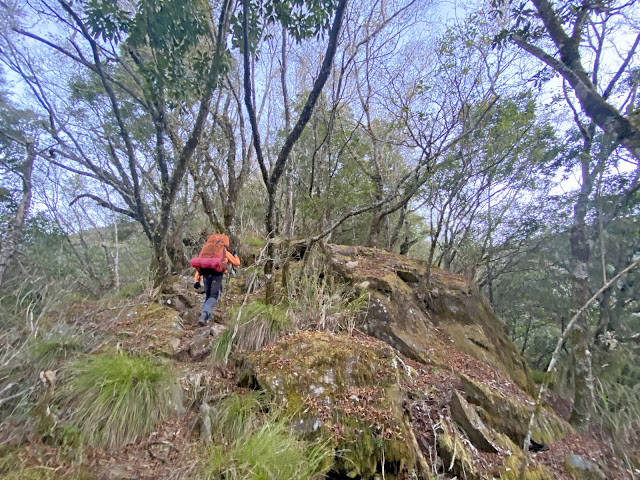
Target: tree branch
<point x="105" y="204"/>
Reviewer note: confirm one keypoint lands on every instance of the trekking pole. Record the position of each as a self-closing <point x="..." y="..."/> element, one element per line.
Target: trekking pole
<point x="227" y="281"/>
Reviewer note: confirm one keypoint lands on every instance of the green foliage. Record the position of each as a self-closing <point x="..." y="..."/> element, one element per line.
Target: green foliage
<point x="270" y="452"/>
<point x="177" y="34"/>
<point x="301" y="18"/>
<point x="236" y="415"/>
<point x="258" y="325"/>
<point x="114" y="399"/>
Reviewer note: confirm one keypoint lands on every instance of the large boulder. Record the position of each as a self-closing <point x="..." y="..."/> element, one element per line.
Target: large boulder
<point x="423" y="318"/>
<point x="346" y="390"/>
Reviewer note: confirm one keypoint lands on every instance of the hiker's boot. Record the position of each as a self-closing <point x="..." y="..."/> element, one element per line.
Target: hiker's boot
<point x="207" y="308"/>
<point x="204" y="319"/>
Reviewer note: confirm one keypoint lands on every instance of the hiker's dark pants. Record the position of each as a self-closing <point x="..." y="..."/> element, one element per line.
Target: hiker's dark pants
<point x="212" y="287"/>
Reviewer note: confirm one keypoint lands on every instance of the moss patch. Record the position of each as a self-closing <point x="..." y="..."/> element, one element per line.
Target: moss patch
<point x="149" y="329"/>
<point x="513" y="465"/>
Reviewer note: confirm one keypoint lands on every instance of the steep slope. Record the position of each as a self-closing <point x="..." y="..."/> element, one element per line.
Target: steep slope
<point x="428" y="385"/>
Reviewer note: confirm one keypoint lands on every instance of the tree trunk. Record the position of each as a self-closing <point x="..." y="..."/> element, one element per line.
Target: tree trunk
<point x="605" y="317"/>
<point x="395" y="236"/>
<point x="175" y="251"/>
<point x="229" y="219"/>
<point x="376" y="220"/>
<point x="116" y="260"/>
<point x="374" y="230"/>
<point x="584" y="396"/>
<point x="160" y="263"/>
<point x="16" y="224"/>
<point x="490" y="248"/>
<point x="271" y="249"/>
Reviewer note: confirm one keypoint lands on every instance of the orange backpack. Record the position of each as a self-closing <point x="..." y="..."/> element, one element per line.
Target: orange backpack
<point x="213" y="255"/>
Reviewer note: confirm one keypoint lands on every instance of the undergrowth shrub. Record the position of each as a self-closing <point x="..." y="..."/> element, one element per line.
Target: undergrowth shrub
<point x="617" y="406"/>
<point x="114" y="399"/>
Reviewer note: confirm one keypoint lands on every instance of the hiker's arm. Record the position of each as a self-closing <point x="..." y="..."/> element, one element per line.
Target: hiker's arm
<point x="233" y="259"/>
<point x="196" y="280"/>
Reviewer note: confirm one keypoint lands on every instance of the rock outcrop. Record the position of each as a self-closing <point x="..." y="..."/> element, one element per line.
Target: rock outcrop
<point x="432" y="380"/>
<point x="423" y="317"/>
<point x="427" y="385"/>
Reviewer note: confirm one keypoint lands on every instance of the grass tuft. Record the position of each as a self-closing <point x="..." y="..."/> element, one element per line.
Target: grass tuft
<point x="221" y="344"/>
<point x="48" y="351"/>
<point x="617" y="407"/>
<point x="20" y="370"/>
<point x="326" y="306"/>
<point x="259" y="325"/>
<point x="235" y="415"/>
<point x="271" y="452"/>
<point x="114" y="399"/>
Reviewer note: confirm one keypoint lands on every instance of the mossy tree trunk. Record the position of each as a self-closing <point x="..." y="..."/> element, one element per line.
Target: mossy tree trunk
<point x="584" y="396"/>
<point x="160" y="262"/>
<point x="12" y="236"/>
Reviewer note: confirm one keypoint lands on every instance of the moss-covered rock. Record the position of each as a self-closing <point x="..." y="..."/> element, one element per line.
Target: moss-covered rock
<point x="454" y="453"/>
<point x="345" y="389"/>
<point x="417" y="316"/>
<point x="584" y="468"/>
<point x="511" y="416"/>
<point x="152" y="328"/>
<point x="465" y="416"/>
<point x="513" y="466"/>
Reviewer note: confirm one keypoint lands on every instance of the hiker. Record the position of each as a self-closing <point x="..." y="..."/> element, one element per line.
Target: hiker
<point x="211" y="265"/>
